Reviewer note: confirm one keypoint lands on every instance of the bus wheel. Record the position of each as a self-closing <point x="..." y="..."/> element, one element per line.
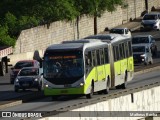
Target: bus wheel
<point x="106" y="91"/>
<point x="54" y="97"/>
<point x="124" y="85"/>
<point x="89" y="96"/>
<point x="2" y="68"/>
<point x="16" y="89"/>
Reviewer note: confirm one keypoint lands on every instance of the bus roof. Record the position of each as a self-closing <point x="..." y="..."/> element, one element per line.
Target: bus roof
<point x="108" y="37"/>
<point x="76" y="44"/>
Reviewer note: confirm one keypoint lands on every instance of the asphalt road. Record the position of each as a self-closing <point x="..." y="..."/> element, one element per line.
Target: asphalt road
<point x="7" y="89"/>
<point x="46" y="104"/>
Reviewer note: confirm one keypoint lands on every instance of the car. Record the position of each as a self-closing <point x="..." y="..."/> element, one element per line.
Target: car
<point x="123" y="31"/>
<point x="142" y="54"/>
<point x="148" y="39"/>
<point x="29" y="77"/>
<point x="19" y="65"/>
<point x="151" y="21"/>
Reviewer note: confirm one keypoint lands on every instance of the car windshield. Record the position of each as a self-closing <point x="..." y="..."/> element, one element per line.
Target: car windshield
<point x="150" y="17"/>
<point x="118" y="31"/>
<point x="29" y="72"/>
<point x="63" y="64"/>
<point x="138" y="48"/>
<point x="20" y="65"/>
<point x="136" y="40"/>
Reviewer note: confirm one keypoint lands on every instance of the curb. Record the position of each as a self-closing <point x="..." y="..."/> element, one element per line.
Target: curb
<point x="7" y="104"/>
<point x="10" y="104"/>
<point x="26" y="98"/>
<point x="147" y="70"/>
<point x="135" y="28"/>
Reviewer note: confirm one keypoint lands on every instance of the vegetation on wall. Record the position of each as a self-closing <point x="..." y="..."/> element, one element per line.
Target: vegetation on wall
<point x="17" y="15"/>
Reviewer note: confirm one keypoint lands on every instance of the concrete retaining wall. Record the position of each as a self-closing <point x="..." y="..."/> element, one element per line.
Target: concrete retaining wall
<point x="146" y="100"/>
<point x="40" y="37"/>
<point x="23" y="56"/>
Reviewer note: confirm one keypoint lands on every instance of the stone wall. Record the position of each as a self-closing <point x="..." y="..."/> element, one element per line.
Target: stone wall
<point x="39" y="38"/>
<point x="127" y="107"/>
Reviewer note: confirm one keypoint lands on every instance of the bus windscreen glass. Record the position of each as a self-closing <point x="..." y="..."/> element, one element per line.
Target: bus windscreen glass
<point x="63" y="64"/>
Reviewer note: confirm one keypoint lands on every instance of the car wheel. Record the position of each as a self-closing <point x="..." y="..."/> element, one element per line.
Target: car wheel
<point x="16" y="89"/>
<point x="40" y="88"/>
<point x="145" y="63"/>
<point x="24" y="89"/>
<point x="12" y="81"/>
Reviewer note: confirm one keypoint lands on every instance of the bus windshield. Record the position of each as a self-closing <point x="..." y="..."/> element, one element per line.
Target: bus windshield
<point x="63" y="64"/>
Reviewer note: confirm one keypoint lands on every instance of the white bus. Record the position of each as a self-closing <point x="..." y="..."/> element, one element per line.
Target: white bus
<point x="121" y="58"/>
<point x="79" y="67"/>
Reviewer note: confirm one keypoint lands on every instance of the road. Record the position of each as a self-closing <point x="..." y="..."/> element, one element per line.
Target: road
<point x="7" y="90"/>
<point x="46" y="104"/>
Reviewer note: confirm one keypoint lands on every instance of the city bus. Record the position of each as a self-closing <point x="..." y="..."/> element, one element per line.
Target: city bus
<point x="121" y="58"/>
<point x="78" y="67"/>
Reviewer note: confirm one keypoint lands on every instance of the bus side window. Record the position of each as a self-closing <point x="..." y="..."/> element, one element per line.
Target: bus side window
<point x="98" y="57"/>
<point x="123" y="51"/>
<point x="130" y="48"/>
<point x="101" y="53"/>
<point x="126" y="50"/>
<point x="117" y="53"/>
<point x="87" y="62"/>
<point x="93" y="58"/>
<point x="114" y="52"/>
<point x="88" y="59"/>
<point x="106" y="55"/>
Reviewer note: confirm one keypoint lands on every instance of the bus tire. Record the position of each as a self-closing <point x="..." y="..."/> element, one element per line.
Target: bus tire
<point x="124" y="85"/>
<point x="2" y="69"/>
<point x="106" y="91"/>
<point x="54" y="97"/>
<point x="89" y="96"/>
<point x="16" y="89"/>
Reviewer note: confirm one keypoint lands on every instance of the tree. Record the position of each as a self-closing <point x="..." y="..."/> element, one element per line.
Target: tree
<point x="96" y="8"/>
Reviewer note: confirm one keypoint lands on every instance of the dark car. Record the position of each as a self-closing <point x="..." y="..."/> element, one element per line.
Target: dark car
<point x="19" y="65"/>
<point x="146" y="39"/>
<point x="29" y="77"/>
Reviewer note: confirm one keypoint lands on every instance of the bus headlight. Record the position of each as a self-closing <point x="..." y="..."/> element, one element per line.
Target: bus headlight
<point x="46" y="85"/>
<point x="36" y="79"/>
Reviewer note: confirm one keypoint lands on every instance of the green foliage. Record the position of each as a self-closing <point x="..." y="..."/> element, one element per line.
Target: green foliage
<point x="5" y="39"/>
<point x="23" y="14"/>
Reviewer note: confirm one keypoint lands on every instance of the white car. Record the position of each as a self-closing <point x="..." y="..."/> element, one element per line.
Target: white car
<point x="142" y="54"/>
<point x="151" y="21"/>
<point x="147" y="39"/>
<point x="123" y="31"/>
